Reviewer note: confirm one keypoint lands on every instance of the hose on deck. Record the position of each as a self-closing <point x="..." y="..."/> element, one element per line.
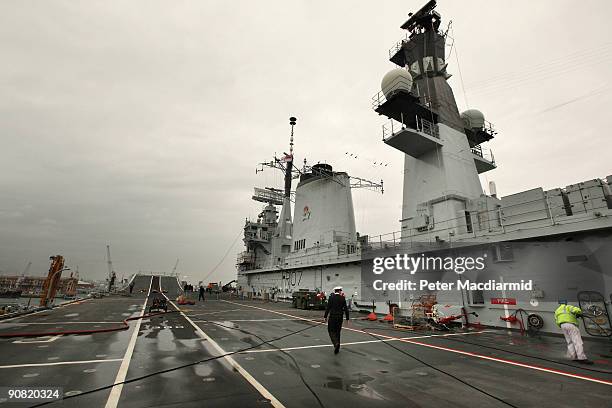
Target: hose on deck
<point x="124" y="326"/>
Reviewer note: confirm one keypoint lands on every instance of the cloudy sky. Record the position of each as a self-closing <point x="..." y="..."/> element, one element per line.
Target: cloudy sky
<point x="140" y="123"/>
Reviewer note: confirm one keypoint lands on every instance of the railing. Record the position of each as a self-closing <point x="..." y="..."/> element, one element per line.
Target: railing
<point x="245" y="258"/>
<point x="397" y="46"/>
<point x="486" y="154"/>
<point x="498" y="217"/>
<point x="488" y="127"/>
<point x="391" y="127"/>
<point x="347" y="249"/>
<point x="383" y="241"/>
<point x="265" y="195"/>
<point x="388" y="129"/>
<point x="254" y="236"/>
<point x="379" y="98"/>
<point x="427" y="127"/>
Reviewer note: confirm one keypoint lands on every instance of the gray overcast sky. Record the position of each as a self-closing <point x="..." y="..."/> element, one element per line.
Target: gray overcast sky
<point x="140" y="123"/>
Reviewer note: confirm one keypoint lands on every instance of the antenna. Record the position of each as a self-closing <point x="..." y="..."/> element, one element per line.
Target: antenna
<point x="284" y="164"/>
<point x="292" y="122"/>
<point x="358" y="182"/>
<point x="268" y="195"/>
<point x="424" y="19"/>
<point x="289" y="160"/>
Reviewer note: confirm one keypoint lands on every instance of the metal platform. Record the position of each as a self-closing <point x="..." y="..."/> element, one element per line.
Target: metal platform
<point x="403" y="107"/>
<point x="413" y="142"/>
<point x="478" y="136"/>
<point x="483" y="159"/>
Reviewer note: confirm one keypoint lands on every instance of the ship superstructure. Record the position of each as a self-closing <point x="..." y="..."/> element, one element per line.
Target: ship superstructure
<point x="312" y="248"/>
<point x="560" y="239"/>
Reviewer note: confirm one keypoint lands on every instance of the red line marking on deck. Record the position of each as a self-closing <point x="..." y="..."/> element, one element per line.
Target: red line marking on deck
<point x="456" y="351"/>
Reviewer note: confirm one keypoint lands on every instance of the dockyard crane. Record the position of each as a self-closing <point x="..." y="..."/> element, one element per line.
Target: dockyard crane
<point x="174" y="269"/>
<point x="26" y="270"/>
<point x="23" y="274"/>
<point x="109" y="262"/>
<point x="111" y="273"/>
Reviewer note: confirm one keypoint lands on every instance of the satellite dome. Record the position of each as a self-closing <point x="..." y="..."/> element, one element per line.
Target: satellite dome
<point x="396" y="80"/>
<point x="473" y="118"/>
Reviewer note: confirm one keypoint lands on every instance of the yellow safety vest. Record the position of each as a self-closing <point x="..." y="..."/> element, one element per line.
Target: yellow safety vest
<point x="567" y="314"/>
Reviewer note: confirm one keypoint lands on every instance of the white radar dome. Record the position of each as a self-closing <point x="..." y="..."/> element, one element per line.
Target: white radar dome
<point x="473" y="118"/>
<point x="398" y="79"/>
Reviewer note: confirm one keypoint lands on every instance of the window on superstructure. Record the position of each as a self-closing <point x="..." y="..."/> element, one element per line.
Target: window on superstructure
<point x="477" y="297"/>
<point x="503" y="252"/>
<point x="301" y="244"/>
<point x="468" y="222"/>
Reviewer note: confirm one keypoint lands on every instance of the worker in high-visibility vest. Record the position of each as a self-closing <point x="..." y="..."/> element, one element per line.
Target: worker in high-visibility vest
<point x="566" y="317"/>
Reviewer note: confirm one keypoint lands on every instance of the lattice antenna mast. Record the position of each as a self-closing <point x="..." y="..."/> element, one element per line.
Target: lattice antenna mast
<point x="292" y="122"/>
<point x="358" y="182"/>
<point x="284" y="164"/>
<point x="289" y="160"/>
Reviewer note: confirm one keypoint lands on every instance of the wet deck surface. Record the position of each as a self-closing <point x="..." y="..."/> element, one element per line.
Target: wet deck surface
<point x="376" y="367"/>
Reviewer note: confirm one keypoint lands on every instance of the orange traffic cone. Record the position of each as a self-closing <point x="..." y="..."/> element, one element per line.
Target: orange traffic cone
<point x="389" y="316"/>
<point x="372" y="316"/>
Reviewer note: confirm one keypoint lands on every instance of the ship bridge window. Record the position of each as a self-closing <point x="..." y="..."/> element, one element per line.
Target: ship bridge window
<point x="301" y="244"/>
<point x="468" y="222"/>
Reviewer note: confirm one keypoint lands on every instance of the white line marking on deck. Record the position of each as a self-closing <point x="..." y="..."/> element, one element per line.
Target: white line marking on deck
<point x="49" y="340"/>
<point x="256" y="384"/>
<point x="217" y="312"/>
<point x="244" y="320"/>
<point x="115" y="394"/>
<point x="61" y="363"/>
<point x="466" y="353"/>
<point x="353" y="343"/>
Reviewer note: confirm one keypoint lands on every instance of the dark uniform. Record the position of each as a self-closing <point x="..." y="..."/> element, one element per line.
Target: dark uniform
<point x="336" y="307"/>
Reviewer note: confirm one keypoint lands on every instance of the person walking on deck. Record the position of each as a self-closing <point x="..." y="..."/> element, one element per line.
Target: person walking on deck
<point x="336" y="310"/>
